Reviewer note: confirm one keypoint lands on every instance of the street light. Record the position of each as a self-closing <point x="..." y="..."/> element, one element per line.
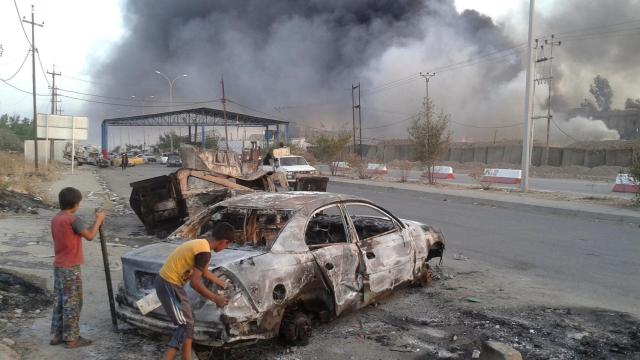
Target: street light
<point x="170" y="84"/>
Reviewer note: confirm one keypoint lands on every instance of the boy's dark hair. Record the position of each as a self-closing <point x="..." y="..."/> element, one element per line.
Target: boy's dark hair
<point x="221" y="231"/>
<point x="69" y="197"/>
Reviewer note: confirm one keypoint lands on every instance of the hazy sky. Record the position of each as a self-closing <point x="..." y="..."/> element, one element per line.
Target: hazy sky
<point x="77" y="34"/>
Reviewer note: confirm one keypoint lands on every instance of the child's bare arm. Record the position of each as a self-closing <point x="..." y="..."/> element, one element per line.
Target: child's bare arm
<point x="90" y="233"/>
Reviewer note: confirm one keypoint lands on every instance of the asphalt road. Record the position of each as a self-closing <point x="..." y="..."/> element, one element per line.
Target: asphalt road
<point x="591" y="259"/>
<point x="596" y="260"/>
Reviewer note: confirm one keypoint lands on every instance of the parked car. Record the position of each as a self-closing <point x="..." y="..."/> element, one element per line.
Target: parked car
<point x="136" y="160"/>
<point x="149" y="158"/>
<point x="296" y="256"/>
<point x="163" y="158"/>
<point x="174" y="160"/>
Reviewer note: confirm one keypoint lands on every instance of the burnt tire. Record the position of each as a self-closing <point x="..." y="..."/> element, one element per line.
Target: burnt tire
<point x="204" y="352"/>
<point x="296" y="328"/>
<point x="426" y="275"/>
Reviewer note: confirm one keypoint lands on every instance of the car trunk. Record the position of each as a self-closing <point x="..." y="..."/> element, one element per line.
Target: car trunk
<point x="141" y="266"/>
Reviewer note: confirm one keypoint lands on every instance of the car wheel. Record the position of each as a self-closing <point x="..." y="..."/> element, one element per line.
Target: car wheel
<point x="296" y="327"/>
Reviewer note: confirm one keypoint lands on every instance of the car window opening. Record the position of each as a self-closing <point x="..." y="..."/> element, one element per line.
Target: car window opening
<point x="369" y="222"/>
<point x="254" y="228"/>
<point x="326" y="227"/>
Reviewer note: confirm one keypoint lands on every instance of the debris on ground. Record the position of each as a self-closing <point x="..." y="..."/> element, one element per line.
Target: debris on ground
<point x="16" y="202"/>
<point x="494" y="350"/>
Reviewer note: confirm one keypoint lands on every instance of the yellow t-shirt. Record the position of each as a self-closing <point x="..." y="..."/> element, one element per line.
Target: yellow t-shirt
<point x="180" y="263"/>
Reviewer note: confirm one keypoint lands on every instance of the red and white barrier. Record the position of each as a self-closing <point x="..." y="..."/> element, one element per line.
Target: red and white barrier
<point x="341" y="167"/>
<point x="441" y="172"/>
<point x="626" y="184"/>
<point x="377" y="169"/>
<point x="502" y="176"/>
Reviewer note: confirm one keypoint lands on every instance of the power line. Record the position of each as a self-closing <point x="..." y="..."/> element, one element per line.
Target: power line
<point x="19" y="68"/>
<point x="562" y="131"/>
<point x="21" y="90"/>
<point x="20" y="20"/>
<point x="44" y="73"/>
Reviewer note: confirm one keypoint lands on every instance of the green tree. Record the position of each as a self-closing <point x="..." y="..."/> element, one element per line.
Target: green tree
<point x="632" y="104"/>
<point x="430" y="135"/>
<point x="331" y="149"/>
<point x="602" y="93"/>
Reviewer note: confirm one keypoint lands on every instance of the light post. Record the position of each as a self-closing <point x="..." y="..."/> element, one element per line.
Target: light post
<point x="170" y="85"/>
<point x="171" y="96"/>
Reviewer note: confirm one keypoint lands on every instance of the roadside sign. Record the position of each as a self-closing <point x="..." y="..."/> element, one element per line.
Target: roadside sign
<point x="62" y="127"/>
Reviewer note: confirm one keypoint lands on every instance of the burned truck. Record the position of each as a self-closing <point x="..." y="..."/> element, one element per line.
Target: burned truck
<point x="208" y="176"/>
<point x="163" y="203"/>
<point x="85" y="154"/>
<point x="296" y="257"/>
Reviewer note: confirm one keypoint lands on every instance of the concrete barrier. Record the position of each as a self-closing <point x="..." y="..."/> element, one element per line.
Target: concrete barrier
<point x="626" y="184"/>
<point x="441" y="172"/>
<point x="377" y="169"/>
<point x="502" y="176"/>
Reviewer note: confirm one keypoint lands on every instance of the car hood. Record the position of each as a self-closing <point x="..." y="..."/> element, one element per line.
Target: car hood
<point x="296" y="168"/>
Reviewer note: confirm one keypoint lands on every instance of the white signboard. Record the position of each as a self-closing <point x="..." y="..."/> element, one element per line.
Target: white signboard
<point x="62" y="127"/>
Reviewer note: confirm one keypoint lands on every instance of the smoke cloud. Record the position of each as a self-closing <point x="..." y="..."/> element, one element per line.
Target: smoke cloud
<point x="302" y="57"/>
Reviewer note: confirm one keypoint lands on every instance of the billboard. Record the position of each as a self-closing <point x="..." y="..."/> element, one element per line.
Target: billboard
<point x="63" y="127"/>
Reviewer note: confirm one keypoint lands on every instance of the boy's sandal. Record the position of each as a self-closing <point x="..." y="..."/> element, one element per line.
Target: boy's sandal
<point x="78" y="343"/>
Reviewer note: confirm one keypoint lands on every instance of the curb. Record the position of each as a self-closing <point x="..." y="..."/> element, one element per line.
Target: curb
<point x="595" y="215"/>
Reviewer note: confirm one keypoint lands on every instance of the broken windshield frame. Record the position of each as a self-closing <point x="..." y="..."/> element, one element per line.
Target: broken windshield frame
<point x="254" y="228"/>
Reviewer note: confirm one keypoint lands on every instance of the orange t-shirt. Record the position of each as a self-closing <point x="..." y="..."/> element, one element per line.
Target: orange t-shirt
<point x="67" y="242"/>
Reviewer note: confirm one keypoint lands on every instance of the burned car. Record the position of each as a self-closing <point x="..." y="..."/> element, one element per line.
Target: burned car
<point x="297" y="257"/>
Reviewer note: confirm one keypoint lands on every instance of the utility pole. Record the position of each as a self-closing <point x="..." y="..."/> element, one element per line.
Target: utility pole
<point x="357" y="133"/>
<point x="224" y="112"/>
<point x="427" y="76"/>
<point x="528" y="101"/>
<point x="54" y="95"/>
<point x="33" y="71"/>
<point x="546" y="77"/>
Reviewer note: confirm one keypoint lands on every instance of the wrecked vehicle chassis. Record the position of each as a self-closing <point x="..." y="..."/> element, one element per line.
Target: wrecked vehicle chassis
<point x="297" y="257"/>
<point x="163" y="203"/>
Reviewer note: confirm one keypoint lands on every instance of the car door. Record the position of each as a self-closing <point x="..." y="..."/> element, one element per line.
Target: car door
<point x="386" y="253"/>
<point x="337" y="256"/>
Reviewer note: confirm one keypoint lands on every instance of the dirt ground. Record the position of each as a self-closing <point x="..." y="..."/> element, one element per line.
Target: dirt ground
<point x="468" y="302"/>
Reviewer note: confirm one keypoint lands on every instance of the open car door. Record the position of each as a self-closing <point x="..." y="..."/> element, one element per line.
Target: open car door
<point x="337" y="256"/>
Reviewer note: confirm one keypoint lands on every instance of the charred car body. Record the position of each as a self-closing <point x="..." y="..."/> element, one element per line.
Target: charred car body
<point x="297" y="256"/>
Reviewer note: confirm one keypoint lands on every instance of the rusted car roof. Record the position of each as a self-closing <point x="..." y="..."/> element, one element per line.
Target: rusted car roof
<point x="292" y="200"/>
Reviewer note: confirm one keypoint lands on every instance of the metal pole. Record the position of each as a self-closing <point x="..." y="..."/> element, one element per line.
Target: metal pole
<point x="353" y="117"/>
<point x="359" y="122"/>
<point x="73" y="143"/>
<point x="107" y="275"/>
<point x="224" y="112"/>
<point x="528" y="100"/>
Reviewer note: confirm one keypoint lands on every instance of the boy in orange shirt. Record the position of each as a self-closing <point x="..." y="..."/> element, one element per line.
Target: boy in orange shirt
<point x="67" y="231"/>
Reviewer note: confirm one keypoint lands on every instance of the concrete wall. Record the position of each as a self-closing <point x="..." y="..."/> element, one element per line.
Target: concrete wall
<point x="44" y="150"/>
<point x="512" y="154"/>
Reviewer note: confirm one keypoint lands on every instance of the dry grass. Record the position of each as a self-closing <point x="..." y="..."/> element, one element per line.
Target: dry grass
<point x="16" y="175"/>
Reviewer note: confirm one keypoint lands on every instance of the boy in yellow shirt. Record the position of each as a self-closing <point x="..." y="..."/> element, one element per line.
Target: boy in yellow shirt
<point x="189" y="263"/>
